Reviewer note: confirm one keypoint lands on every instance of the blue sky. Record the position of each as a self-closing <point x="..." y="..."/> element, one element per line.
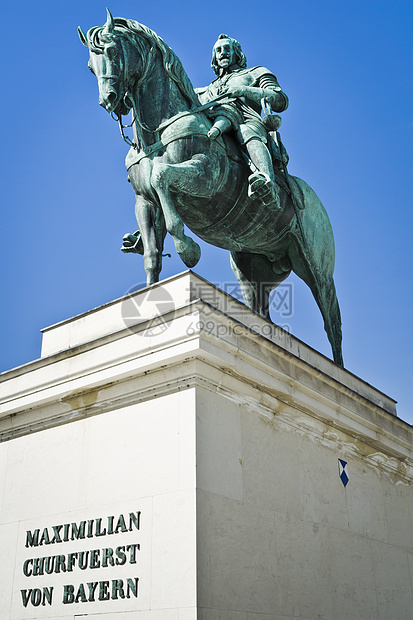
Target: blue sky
<point x="65" y="203"/>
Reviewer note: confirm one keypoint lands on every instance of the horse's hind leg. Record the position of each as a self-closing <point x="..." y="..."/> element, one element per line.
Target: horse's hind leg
<point x="256" y="277"/>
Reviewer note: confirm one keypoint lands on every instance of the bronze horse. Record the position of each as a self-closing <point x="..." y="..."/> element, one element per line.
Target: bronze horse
<point x="181" y="176"/>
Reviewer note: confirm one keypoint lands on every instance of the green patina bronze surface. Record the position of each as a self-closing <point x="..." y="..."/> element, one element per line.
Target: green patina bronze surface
<point x="210" y="159"/>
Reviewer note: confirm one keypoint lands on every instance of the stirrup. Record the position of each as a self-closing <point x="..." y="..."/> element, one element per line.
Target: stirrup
<point x="269" y="197"/>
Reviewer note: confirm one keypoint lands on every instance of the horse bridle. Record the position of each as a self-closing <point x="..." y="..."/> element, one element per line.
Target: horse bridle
<point x="123" y="73"/>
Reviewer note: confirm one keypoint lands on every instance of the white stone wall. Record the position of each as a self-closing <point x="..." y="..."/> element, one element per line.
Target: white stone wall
<point x="281" y="537"/>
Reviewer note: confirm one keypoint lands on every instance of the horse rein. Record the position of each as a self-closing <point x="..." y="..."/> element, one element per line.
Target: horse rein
<point x="156" y="146"/>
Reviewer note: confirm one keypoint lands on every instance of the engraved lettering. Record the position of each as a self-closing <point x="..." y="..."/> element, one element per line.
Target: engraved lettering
<point x="121" y="556"/>
<point x="110" y="524"/>
<point x="60" y="564"/>
<point x="47" y="595"/>
<point x="133" y="549"/>
<point x="107" y="557"/>
<point x="32" y="540"/>
<point x="94" y="558"/>
<point x="45" y="537"/>
<point x="71" y="560"/>
<point x="81" y="594"/>
<point x="37" y="597"/>
<point x="66" y="532"/>
<point x="104" y="591"/>
<point x="78" y="531"/>
<point x="83" y="559"/>
<point x="56" y="530"/>
<point x="121" y="525"/>
<point x="38" y="566"/>
<point x="25" y="596"/>
<point x="117" y="588"/>
<point x="92" y="588"/>
<point x="49" y="564"/>
<point x="134" y="520"/>
<point x="99" y="532"/>
<point x="26" y="570"/>
<point x="68" y="594"/>
<point x="132" y="586"/>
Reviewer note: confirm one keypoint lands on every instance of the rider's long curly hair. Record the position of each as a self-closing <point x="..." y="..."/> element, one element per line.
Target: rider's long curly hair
<point x="240" y="57"/>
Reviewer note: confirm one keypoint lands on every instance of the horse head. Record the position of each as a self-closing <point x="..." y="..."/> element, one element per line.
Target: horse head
<point x="116" y="61"/>
<point x="121" y="56"/>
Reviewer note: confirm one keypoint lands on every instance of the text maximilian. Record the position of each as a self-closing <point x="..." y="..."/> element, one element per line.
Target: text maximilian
<point x="83" y="529"/>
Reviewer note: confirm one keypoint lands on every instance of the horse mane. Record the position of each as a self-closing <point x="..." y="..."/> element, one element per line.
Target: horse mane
<point x="144" y="38"/>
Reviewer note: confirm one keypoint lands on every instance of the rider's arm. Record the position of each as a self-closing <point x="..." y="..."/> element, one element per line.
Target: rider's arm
<point x="272" y="93"/>
<point x="267" y="88"/>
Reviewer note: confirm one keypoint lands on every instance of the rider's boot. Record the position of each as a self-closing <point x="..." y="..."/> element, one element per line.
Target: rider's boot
<point x="261" y="187"/>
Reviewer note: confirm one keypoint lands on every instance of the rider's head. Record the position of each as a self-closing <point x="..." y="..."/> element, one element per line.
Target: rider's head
<point x="227" y="52"/>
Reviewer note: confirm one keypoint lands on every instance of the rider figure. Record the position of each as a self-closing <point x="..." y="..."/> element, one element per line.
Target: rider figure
<point x="250" y="88"/>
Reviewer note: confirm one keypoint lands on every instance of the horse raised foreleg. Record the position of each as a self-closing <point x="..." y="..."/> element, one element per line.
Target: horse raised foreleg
<point x="152" y="228"/>
<point x="192" y="177"/>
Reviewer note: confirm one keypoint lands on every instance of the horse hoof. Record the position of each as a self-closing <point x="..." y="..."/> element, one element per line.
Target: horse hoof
<point x="190" y="253"/>
<point x="132" y="243"/>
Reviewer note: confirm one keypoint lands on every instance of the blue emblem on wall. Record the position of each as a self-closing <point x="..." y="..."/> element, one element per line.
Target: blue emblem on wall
<point x="342" y="472"/>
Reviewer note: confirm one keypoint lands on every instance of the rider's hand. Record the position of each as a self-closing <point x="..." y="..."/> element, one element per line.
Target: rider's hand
<point x="213" y="133"/>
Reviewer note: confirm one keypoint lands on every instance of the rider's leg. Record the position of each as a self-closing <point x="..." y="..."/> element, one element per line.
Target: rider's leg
<point x="260" y="157"/>
<point x="262" y="183"/>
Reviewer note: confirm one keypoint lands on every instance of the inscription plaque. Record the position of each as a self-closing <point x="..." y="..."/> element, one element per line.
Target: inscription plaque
<point x="85" y="562"/>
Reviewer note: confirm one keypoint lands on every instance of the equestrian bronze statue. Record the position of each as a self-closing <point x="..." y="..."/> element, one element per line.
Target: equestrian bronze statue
<point x="208" y="159"/>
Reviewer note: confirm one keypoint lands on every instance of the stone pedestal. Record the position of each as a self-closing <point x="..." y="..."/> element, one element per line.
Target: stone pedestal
<point x="173" y="456"/>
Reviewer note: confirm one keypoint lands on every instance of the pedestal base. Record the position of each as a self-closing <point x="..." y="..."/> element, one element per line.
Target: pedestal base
<point x="173" y="456"/>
